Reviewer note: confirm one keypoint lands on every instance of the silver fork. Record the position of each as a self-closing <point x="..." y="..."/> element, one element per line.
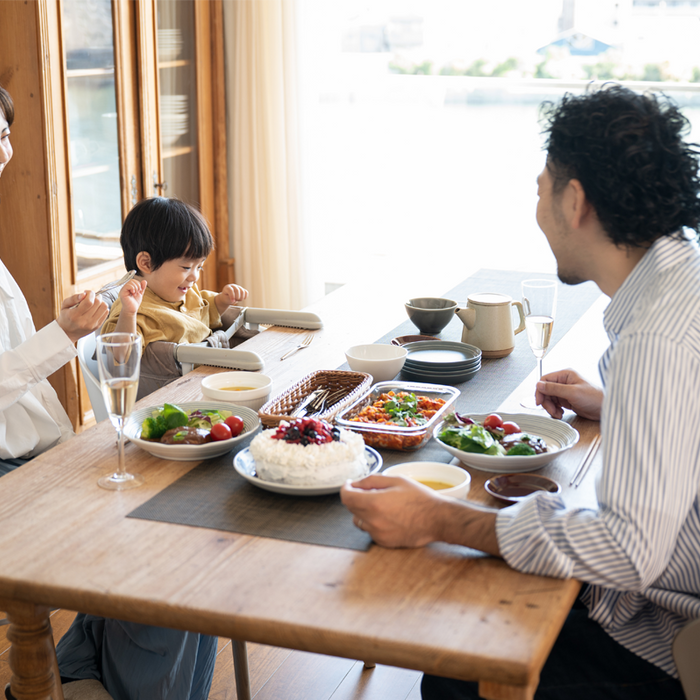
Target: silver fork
<point x="117" y="283"/>
<point x="304" y="344"/>
<point x="113" y="285"/>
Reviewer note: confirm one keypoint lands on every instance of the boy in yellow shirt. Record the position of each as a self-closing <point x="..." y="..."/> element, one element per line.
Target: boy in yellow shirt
<point x="167" y="241"/>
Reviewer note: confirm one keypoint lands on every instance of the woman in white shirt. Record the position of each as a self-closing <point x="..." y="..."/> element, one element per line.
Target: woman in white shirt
<point x="31" y="417"/>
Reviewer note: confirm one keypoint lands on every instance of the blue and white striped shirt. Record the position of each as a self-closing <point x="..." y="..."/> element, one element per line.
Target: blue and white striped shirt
<point x="640" y="550"/>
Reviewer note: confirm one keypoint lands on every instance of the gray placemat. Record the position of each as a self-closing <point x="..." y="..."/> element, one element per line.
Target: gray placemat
<point x="214" y="495"/>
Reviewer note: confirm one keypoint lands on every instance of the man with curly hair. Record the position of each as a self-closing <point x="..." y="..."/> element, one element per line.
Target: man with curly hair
<point x="619" y="205"/>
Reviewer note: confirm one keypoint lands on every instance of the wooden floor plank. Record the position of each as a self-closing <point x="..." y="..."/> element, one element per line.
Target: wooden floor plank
<point x="263" y="662"/>
<point x="378" y="683"/>
<point x="305" y="676"/>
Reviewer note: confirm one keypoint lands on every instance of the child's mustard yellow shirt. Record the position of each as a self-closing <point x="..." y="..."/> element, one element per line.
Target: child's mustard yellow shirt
<point x="187" y="321"/>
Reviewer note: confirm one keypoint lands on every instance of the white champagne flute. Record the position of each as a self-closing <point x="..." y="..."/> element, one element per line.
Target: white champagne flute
<point x="118" y="362"/>
<point x="539" y="307"/>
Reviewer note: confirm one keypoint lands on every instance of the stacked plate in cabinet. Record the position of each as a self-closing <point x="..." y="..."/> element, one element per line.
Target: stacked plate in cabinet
<point x="441" y="361"/>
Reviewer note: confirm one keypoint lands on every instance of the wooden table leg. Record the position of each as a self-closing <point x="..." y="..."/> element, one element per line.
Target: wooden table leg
<point x="501" y="691"/>
<point x="32" y="654"/>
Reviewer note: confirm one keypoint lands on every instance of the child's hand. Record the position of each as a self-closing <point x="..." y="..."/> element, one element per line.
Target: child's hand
<point x="231" y="294"/>
<point x="131" y="295"/>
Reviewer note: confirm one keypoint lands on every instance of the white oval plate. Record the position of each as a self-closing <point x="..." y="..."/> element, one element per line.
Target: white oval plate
<point x="558" y="435"/>
<point x="245" y="466"/>
<point x="187" y="453"/>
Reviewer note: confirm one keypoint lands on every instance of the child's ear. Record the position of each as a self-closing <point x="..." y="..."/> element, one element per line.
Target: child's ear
<point x="143" y="261"/>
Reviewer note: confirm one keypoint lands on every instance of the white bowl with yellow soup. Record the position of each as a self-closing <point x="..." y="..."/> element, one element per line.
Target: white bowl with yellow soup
<point x="446" y="479"/>
<point x="250" y="389"/>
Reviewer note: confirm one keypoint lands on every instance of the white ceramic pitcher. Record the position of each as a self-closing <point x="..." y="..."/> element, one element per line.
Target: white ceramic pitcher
<point x="488" y="323"/>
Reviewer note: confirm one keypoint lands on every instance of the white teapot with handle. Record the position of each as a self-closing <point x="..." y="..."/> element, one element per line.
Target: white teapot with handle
<point x="488" y="323"/>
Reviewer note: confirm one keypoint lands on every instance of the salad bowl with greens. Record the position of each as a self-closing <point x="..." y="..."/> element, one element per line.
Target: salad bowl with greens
<point x="473" y="440"/>
<point x="147" y="426"/>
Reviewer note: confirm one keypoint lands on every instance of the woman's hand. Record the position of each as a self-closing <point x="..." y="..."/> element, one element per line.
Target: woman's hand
<point x="81" y="314"/>
<point x="230" y="295"/>
<point x="568" y="389"/>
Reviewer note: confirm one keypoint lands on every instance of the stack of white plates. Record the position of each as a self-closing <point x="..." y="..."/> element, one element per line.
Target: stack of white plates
<point x="441" y="361"/>
<point x="174" y="118"/>
<point x="169" y="44"/>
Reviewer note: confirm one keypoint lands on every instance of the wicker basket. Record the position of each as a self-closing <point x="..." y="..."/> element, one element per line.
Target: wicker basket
<point x="280" y="407"/>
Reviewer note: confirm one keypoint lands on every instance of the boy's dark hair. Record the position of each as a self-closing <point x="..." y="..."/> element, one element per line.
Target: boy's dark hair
<point x="627" y="151"/>
<point x="166" y="229"/>
<point x="7" y="106"/>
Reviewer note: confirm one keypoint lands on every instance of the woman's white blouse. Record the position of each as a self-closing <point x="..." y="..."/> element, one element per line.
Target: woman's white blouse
<point x="31" y="416"/>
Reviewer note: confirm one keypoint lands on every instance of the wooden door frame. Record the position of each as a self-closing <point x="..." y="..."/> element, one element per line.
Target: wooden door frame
<point x="36" y="244"/>
<point x="36" y="221"/>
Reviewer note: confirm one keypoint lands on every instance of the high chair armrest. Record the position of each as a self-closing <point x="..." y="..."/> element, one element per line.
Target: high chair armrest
<point x="282" y="317"/>
<point x="189" y="355"/>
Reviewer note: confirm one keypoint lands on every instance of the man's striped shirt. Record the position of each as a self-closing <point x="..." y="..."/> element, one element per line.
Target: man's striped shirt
<point x="640" y="550"/>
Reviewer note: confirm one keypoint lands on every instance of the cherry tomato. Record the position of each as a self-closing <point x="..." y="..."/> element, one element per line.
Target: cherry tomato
<point x="220" y="431"/>
<point x="236" y="425"/>
<point x="493" y="420"/>
<point x="509" y="427"/>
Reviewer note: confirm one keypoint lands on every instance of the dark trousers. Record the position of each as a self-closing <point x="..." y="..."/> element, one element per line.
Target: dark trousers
<point x="585" y="663"/>
<point x="10" y="464"/>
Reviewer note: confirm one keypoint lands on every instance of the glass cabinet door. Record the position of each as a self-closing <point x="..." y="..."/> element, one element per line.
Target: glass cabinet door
<point x="93" y="135"/>
<point x="177" y="81"/>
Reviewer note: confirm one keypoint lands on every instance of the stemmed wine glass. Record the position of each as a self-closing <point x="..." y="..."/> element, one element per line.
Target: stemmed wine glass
<point x="539" y="307"/>
<point x="118" y="362"/>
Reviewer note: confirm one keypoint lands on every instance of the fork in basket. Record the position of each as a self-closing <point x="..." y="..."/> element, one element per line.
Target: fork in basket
<point x="304" y="344"/>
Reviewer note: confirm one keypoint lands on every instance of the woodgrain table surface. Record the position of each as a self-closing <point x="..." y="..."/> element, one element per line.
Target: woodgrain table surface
<point x="441" y="609"/>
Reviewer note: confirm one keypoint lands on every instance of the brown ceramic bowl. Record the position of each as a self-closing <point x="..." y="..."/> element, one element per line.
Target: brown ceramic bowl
<point x="404" y="339"/>
<point x="512" y="488"/>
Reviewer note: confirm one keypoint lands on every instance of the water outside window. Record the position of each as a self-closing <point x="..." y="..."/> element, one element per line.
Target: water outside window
<point x="421" y="138"/>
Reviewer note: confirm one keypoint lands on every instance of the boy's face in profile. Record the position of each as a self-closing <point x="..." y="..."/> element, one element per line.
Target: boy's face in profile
<point x="174" y="278"/>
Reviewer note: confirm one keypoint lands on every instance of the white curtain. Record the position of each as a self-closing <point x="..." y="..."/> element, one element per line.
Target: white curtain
<point x="263" y="157"/>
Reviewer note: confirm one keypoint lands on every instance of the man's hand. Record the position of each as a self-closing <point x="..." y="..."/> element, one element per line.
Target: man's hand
<point x="88" y="315"/>
<point x="567" y="389"/>
<point x="399" y="512"/>
<point x="394" y="510"/>
<point x="230" y="295"/>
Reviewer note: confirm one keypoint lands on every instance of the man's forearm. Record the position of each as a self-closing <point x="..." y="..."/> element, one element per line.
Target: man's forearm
<point x="469" y="524"/>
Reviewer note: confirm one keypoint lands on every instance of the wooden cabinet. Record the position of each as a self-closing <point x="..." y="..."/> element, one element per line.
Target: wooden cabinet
<point x="115" y="100"/>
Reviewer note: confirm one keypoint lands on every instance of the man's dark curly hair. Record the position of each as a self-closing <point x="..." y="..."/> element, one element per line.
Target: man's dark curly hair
<point x="627" y="150"/>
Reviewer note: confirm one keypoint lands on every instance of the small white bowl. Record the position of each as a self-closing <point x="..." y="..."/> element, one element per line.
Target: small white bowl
<point x="458" y="478"/>
<point x="383" y="362"/>
<point x="255" y="392"/>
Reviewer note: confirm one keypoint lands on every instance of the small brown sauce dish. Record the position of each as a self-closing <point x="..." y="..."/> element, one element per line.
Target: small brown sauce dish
<point x="512" y="488"/>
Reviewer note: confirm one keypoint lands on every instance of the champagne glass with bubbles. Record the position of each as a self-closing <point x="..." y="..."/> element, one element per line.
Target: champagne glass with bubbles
<point x="539" y="307"/>
<point x="118" y="362"/>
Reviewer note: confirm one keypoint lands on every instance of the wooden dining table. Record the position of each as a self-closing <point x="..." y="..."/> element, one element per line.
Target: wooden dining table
<point x="441" y="609"/>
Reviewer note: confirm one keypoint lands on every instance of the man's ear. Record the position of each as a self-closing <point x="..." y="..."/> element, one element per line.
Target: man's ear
<point x="579" y="205"/>
<point x="143" y="261"/>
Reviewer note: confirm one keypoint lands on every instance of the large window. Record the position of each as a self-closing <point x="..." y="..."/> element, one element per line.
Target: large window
<point x="421" y="141"/>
